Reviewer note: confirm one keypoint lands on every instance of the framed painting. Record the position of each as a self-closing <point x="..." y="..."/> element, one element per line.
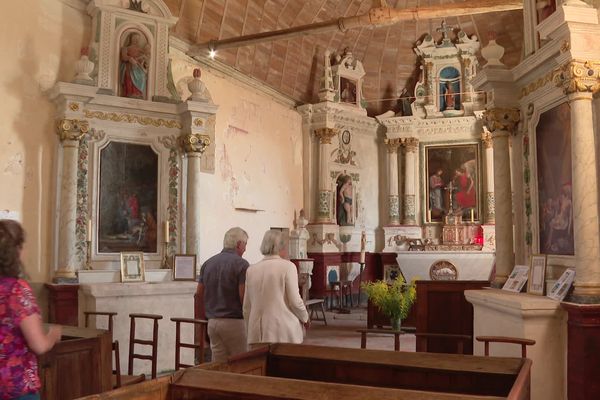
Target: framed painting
<point x="128" y="198"/>
<point x="132" y="267"/>
<point x="555" y="203"/>
<point x="347" y="90"/>
<point x="184" y="267"/>
<point x="452" y="181"/>
<point x="537" y="274"/>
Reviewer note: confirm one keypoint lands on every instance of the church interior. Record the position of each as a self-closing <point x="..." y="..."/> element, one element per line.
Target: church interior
<point x="453" y="143"/>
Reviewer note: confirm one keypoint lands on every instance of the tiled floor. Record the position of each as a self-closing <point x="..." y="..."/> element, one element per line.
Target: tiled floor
<point x="341" y="332"/>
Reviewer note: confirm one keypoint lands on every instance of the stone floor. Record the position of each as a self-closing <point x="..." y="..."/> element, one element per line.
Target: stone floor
<point x="341" y="332"/>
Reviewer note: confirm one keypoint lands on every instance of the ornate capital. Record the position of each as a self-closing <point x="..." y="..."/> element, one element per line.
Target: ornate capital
<point x="486" y="139"/>
<point x="578" y="76"/>
<point x="502" y="119"/>
<point x="194" y="142"/>
<point x="325" y="134"/>
<point x="411" y="144"/>
<point x="71" y="129"/>
<point x="392" y="144"/>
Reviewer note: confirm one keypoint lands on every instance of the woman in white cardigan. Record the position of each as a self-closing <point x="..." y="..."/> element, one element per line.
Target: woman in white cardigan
<point x="273" y="309"/>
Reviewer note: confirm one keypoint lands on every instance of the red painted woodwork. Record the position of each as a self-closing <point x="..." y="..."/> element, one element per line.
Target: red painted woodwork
<point x="322" y="261"/>
<point x="583" y="344"/>
<point x="63" y="304"/>
<point x="442" y="308"/>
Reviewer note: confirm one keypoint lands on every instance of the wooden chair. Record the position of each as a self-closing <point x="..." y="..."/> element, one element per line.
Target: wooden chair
<point x="133" y="341"/>
<point x="314" y="306"/>
<point x="116" y="377"/>
<point x="458" y="338"/>
<point x="203" y="325"/>
<point x="504" y="339"/>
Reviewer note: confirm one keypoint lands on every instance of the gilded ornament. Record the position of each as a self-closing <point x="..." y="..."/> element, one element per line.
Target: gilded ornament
<point x="71" y="129"/>
<point x="578" y="76"/>
<point x="411" y="144"/>
<point x="194" y="143"/>
<point x="325" y="134"/>
<point x="486" y="138"/>
<point x="131" y="119"/>
<point x="74" y="106"/>
<point x="502" y="119"/>
<point x="393" y="144"/>
<point x="538" y="84"/>
<point x="198" y="122"/>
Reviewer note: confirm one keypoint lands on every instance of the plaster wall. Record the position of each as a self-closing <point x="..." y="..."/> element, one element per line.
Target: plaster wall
<point x="257" y="179"/>
<point x="40" y="44"/>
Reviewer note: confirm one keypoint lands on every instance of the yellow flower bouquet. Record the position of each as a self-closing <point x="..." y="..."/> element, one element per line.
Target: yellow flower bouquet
<point x="394" y="300"/>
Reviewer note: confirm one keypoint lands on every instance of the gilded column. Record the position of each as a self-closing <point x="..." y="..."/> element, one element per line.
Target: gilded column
<point x="70" y="132"/>
<point x="502" y="122"/>
<point x="325" y="198"/>
<point x="580" y="81"/>
<point x="409" y="210"/>
<point x="193" y="144"/>
<point x="490" y="203"/>
<point x="394" y="201"/>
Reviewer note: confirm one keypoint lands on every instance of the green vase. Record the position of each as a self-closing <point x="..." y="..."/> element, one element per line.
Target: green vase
<point x="396" y="324"/>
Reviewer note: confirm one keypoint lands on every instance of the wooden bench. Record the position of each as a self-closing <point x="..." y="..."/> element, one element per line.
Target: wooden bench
<point x="364" y="332"/>
<point x="460" y="340"/>
<point x="316" y="305"/>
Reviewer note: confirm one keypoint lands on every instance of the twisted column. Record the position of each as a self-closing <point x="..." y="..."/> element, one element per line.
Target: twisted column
<point x="70" y="132"/>
<point x="394" y="201"/>
<point x="324" y="199"/>
<point x="502" y="122"/>
<point x="409" y="210"/>
<point x="194" y="145"/>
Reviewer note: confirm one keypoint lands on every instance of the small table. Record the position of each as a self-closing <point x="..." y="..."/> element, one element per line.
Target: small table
<point x="364" y="332"/>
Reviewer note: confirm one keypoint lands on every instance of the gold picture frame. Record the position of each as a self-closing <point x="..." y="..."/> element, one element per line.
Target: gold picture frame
<point x="132" y="267"/>
<point x="184" y="267"/>
<point x="537" y="274"/>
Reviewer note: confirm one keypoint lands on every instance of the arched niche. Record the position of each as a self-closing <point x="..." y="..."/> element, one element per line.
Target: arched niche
<point x="449" y="89"/>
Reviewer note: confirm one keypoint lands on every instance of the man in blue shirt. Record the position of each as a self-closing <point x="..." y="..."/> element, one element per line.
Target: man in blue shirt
<point x="221" y="287"/>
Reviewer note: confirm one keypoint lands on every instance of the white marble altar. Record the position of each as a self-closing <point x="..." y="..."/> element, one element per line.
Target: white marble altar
<point x="169" y="299"/>
<point x="501" y="313"/>
<point x="470" y="265"/>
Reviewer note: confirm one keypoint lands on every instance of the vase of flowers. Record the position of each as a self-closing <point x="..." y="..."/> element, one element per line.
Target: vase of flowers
<point x="394" y="300"/>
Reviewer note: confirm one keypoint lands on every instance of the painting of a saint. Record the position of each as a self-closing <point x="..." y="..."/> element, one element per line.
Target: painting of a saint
<point x="344" y="209"/>
<point x="452" y="181"/>
<point x="449" y="89"/>
<point x="553" y="146"/>
<point x="128" y="198"/>
<point x="347" y="91"/>
<point x="133" y="66"/>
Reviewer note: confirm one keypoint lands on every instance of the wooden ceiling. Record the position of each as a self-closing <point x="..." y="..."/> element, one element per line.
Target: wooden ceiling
<point x="294" y="66"/>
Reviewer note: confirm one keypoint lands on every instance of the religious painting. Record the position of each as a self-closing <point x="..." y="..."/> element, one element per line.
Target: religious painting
<point x="134" y="62"/>
<point x="128" y="198"/>
<point x="452" y="182"/>
<point x="555" y="203"/>
<point x="344" y="206"/>
<point x="347" y="91"/>
<point x="449" y="89"/>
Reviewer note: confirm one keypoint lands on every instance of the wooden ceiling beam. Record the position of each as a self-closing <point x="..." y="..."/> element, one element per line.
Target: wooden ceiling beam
<point x="375" y="17"/>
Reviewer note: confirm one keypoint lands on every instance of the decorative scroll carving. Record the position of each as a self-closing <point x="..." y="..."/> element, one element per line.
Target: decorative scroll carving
<point x="411" y="144"/>
<point x="325" y="134"/>
<point x="578" y="76"/>
<point x="194" y="143"/>
<point x="132" y="119"/>
<point x="502" y="119"/>
<point x="72" y="129"/>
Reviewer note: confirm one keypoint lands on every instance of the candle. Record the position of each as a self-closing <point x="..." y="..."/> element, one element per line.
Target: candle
<point x="472" y="215"/>
<point x="428" y="215"/>
<point x="363" y="242"/>
<point x="89" y="230"/>
<point x="166" y="235"/>
<point x="362" y="256"/>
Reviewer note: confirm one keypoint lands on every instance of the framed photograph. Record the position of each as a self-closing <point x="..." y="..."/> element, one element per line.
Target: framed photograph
<point x="537" y="274"/>
<point x="184" y="267"/>
<point x="563" y="284"/>
<point x="517" y="279"/>
<point x="391" y="272"/>
<point x="452" y="182"/>
<point x="132" y="267"/>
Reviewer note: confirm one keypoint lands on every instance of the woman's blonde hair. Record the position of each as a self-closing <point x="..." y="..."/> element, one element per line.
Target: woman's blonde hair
<point x="272" y="243"/>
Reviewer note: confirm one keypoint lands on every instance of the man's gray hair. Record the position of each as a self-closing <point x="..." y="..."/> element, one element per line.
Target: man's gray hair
<point x="233" y="236"/>
<point x="273" y="242"/>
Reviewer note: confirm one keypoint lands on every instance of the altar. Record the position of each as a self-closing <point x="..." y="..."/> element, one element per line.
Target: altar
<point x="446" y="265"/>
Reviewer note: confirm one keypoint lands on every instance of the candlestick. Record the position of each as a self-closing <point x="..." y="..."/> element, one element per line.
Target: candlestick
<point x="166" y="234"/>
<point x="89" y="230"/>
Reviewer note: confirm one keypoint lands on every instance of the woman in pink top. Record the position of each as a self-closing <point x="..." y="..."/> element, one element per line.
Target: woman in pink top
<point x="22" y="336"/>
